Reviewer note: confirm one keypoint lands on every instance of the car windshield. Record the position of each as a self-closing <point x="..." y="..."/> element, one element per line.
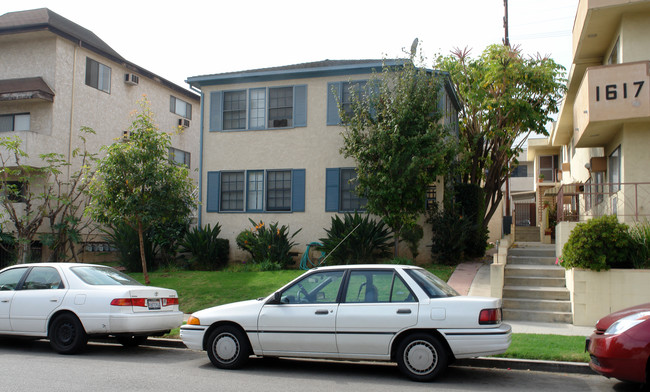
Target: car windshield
<point x="431" y="284"/>
<point x="103" y="276"/>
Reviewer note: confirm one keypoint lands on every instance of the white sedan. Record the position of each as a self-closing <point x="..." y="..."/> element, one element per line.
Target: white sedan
<point x="68" y="303"/>
<point x="363" y="312"/>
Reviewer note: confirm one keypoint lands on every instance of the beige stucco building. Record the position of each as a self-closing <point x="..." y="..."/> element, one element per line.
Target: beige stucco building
<point x="56" y="77"/>
<point x="270" y="144"/>
<point x="600" y="145"/>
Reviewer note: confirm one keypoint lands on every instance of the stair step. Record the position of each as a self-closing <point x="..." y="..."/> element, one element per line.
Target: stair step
<point x="531" y="260"/>
<point x="539" y="281"/>
<point x="537" y="304"/>
<point x="553" y="293"/>
<point x="532" y="251"/>
<point x="538" y="316"/>
<point x="549" y="271"/>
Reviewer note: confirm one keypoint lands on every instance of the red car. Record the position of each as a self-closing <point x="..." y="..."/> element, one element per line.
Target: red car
<point x="620" y="345"/>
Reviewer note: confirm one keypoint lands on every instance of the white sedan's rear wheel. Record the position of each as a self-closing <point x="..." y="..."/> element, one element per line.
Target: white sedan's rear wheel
<point x="421" y="357"/>
<point x="228" y="347"/>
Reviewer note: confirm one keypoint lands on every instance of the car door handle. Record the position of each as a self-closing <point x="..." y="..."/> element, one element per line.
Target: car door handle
<point x="54" y="300"/>
<point x="322" y="312"/>
<point x="4" y="301"/>
<point x="403" y="311"/>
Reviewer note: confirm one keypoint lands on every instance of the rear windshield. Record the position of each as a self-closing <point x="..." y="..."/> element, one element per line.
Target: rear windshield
<point x="431" y="284"/>
<point x="103" y="276"/>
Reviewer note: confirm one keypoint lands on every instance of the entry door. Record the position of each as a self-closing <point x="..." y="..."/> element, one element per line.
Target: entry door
<point x="9" y="280"/>
<point x="304" y="323"/>
<point x="41" y="293"/>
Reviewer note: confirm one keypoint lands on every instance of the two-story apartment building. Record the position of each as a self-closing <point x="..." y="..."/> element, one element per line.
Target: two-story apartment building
<point x="600" y="146"/>
<point x="56" y="77"/>
<point x="270" y="143"/>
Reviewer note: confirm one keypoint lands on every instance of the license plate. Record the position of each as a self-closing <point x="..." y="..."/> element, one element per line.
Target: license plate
<point x="153" y="304"/>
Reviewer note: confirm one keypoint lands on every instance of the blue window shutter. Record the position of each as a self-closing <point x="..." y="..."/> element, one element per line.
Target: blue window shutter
<point x="214" y="184"/>
<point x="333" y="90"/>
<point x="332" y="177"/>
<point x="298" y="190"/>
<point x="216" y="111"/>
<point x="300" y="106"/>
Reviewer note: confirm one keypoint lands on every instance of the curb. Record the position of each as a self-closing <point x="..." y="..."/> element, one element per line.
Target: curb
<point x="480" y="362"/>
<point x="526" y="364"/>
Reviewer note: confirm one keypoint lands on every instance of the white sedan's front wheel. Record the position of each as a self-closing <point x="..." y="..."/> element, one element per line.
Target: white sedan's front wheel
<point x="421" y="357"/>
<point x="228" y="347"/>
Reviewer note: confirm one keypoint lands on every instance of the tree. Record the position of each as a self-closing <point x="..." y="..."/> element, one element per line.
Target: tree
<point x="136" y="183"/>
<point x="30" y="194"/>
<point x="504" y="98"/>
<point x="394" y="134"/>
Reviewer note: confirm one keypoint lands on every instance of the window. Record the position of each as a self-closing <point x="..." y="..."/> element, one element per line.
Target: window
<point x="349" y="92"/>
<point x="10" y="278"/>
<point x="278" y="185"/>
<point x="345" y="93"/>
<point x="179" y="157"/>
<point x="376" y="286"/>
<point x="613" y="56"/>
<point x="431" y="284"/>
<point x="431" y="197"/>
<point x="548" y="165"/>
<point x="340" y="193"/>
<point x="256" y="190"/>
<point x="43" y="278"/>
<point x="180" y="107"/>
<point x="14" y="122"/>
<point x="266" y="108"/>
<point x="15" y="191"/>
<point x="234" y="110"/>
<point x="280" y="107"/>
<point x="103" y="276"/>
<point x="232" y="191"/>
<point x="520" y="171"/>
<point x="350" y="201"/>
<point x="615" y="170"/>
<point x="319" y="287"/>
<point x="257" y="113"/>
<point x="98" y="75"/>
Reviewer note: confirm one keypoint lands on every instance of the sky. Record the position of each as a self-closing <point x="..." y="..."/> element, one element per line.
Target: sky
<point x="181" y="39"/>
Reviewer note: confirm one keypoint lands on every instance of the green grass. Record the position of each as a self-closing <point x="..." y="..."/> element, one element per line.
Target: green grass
<point x="547" y="347"/>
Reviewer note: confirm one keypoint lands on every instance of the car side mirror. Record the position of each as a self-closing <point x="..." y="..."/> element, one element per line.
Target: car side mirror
<point x="276" y="299"/>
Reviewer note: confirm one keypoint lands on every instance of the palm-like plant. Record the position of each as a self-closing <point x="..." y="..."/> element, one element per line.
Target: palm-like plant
<point x="207" y="250"/>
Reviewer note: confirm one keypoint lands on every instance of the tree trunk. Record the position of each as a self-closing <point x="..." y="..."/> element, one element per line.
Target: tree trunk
<point x="142" y="256"/>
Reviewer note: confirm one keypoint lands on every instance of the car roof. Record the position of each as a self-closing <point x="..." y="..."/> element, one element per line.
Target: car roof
<point x="368" y="266"/>
<point x="64" y="265"/>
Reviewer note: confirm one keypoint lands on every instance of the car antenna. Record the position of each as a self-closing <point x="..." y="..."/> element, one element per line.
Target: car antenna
<point x="337" y="245"/>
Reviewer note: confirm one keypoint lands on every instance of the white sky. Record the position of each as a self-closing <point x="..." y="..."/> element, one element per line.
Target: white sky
<point x="180" y="39"/>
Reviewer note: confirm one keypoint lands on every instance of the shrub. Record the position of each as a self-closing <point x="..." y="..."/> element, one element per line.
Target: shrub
<point x="368" y="242"/>
<point x="599" y="244"/>
<point x="268" y="245"/>
<point x="208" y="252"/>
<point x="125" y="239"/>
<point x="449" y="237"/>
<point x="412" y="236"/>
<point x="640" y="235"/>
<point x="471" y="204"/>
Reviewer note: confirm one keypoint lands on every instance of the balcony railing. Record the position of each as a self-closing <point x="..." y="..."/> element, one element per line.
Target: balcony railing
<point x="580" y="202"/>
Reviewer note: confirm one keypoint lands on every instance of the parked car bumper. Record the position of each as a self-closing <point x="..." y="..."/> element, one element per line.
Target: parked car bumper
<point x="611" y="357"/>
<point x="192" y="336"/>
<point x="463" y="342"/>
<point x="140" y="322"/>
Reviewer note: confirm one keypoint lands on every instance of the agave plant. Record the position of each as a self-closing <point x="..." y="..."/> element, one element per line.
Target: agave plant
<point x="368" y="241"/>
<point x="208" y="251"/>
<point x="270" y="244"/>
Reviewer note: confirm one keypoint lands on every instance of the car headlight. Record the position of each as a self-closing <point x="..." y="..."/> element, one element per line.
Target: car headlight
<point x="627" y="322"/>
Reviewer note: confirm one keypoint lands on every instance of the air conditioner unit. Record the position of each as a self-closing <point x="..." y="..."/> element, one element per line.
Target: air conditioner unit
<point x="131" y="79"/>
<point x="183" y="122"/>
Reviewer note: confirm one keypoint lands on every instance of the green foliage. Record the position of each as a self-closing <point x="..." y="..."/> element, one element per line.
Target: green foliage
<point x="125" y="239"/>
<point x="471" y="203"/>
<point x="450" y="231"/>
<point x="135" y="182"/>
<point x="268" y="245"/>
<point x="504" y="97"/>
<point x="397" y="141"/>
<point x="401" y="261"/>
<point x="208" y="251"/>
<point x="413" y="235"/>
<point x="368" y="241"/>
<point x="640" y="235"/>
<point x="599" y="244"/>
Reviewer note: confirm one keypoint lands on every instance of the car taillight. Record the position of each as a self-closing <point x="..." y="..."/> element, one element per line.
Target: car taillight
<point x="489" y="316"/>
<point x="129" y="302"/>
<point x="169" y="301"/>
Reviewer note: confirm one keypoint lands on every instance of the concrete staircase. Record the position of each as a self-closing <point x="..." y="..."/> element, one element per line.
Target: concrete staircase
<point x="534" y="287"/>
<point x="527" y="234"/>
